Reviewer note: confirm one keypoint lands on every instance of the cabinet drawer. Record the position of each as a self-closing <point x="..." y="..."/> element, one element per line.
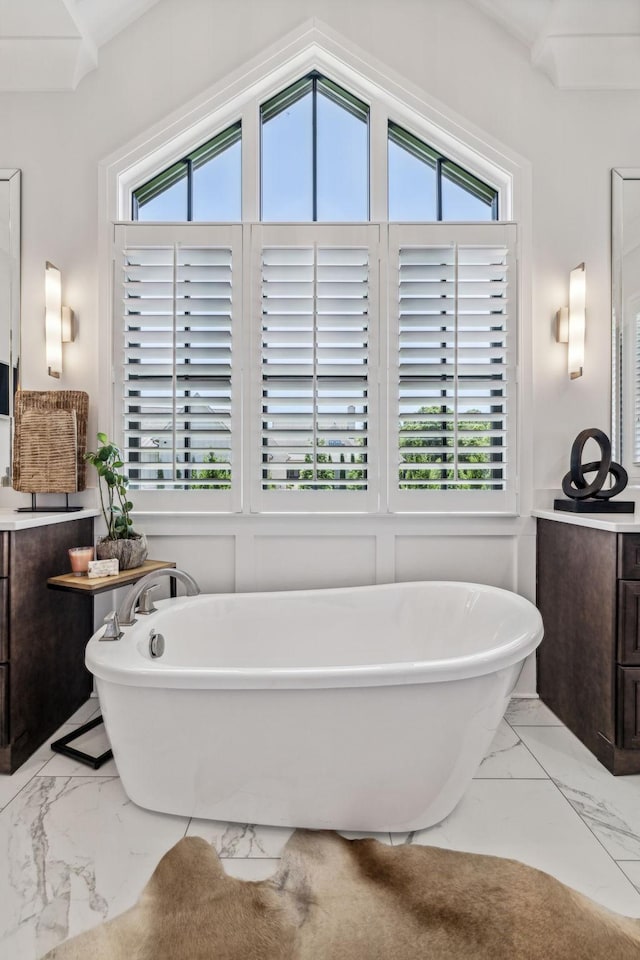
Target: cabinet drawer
<point x="628" y="708"/>
<point x="4" y="703"/>
<point x="628" y="651"/>
<point x="629" y="556"/>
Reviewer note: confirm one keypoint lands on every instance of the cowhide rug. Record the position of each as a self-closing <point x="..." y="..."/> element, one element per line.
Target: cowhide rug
<point x="337" y="899"/>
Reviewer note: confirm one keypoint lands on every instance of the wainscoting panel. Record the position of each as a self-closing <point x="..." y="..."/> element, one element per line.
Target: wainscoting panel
<point x="294" y="563"/>
<point x="211" y="560"/>
<point x="477" y="559"/>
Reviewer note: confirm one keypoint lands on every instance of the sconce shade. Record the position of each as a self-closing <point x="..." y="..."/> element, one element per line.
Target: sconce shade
<point x="562" y="325"/>
<point x="53" y="319"/>
<point x="68" y="325"/>
<point x="577" y="320"/>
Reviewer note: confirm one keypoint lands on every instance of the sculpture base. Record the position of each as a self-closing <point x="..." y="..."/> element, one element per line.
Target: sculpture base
<point x="595" y="506"/>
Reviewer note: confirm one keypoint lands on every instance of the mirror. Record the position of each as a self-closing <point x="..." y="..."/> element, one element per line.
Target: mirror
<point x="625" y="300"/>
<point x="9" y="307"/>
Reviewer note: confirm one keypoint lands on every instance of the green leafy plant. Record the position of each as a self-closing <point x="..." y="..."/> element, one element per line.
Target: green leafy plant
<point x="116" y="507"/>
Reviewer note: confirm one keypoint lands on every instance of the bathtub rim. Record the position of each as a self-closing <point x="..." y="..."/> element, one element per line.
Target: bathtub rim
<point x="121" y="661"/>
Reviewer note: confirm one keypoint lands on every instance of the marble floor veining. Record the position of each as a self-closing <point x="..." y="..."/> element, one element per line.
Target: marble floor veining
<point x="74" y="850"/>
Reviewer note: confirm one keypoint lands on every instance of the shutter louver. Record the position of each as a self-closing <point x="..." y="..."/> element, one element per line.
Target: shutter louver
<point x="315" y="387"/>
<point x="455" y="373"/>
<point x="177" y="328"/>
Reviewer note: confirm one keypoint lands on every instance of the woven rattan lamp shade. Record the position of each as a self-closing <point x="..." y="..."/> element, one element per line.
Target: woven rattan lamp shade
<point x="50" y="440"/>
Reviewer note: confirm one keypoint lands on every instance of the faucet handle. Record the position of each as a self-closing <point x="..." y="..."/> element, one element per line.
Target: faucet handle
<point x="145" y="603"/>
<point x="113" y="631"/>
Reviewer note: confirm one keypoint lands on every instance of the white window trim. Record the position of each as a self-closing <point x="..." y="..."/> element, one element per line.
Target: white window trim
<point x="315" y="46"/>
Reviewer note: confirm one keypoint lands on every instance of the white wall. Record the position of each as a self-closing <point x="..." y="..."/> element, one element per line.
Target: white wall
<point x="451" y="52"/>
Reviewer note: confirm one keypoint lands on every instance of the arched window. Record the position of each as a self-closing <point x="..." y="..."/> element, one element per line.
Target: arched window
<point x="294" y="352"/>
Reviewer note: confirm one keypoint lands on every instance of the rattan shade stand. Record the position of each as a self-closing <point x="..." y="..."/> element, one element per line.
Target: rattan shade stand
<point x="50" y="439"/>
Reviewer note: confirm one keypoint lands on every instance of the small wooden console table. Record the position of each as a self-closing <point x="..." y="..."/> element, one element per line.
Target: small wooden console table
<point x="90" y="588"/>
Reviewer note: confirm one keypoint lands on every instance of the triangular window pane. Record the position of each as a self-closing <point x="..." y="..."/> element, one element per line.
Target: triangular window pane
<point x="315" y="154"/>
<point x="164" y="197"/>
<point x="205" y="185"/>
<point x="424" y="185"/>
<point x="464" y="197"/>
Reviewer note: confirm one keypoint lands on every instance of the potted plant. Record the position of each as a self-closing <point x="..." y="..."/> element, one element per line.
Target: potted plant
<point x="121" y="540"/>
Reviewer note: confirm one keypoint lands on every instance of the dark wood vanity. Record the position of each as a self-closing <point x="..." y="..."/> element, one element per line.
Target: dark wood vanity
<point x="588" y="592"/>
<point x="43" y="634"/>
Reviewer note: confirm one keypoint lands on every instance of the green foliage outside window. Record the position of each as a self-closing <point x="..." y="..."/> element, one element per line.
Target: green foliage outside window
<point x="222" y="475"/>
<point x="338" y="471"/>
<point x="478" y="447"/>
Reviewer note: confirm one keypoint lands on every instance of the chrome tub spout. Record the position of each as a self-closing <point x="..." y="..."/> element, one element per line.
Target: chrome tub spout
<point x="140" y="590"/>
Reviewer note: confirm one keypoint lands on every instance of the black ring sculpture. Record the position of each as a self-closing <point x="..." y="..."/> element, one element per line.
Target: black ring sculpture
<point x="574" y="484"/>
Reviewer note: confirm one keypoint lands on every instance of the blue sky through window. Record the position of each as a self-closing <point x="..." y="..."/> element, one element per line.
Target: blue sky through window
<point x="287" y="163"/>
<point x="340" y="178"/>
<point x="171" y="204"/>
<point x="343" y="163"/>
<point x="412" y="186"/>
<point x="217" y="186"/>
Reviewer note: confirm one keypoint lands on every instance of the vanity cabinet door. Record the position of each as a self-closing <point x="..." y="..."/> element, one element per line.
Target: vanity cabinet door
<point x="629" y="707"/>
<point x="4" y="725"/>
<point x="629" y="556"/>
<point x="629" y="621"/>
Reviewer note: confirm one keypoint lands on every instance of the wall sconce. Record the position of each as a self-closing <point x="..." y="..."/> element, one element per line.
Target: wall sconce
<point x="59" y="320"/>
<point x="571" y="321"/>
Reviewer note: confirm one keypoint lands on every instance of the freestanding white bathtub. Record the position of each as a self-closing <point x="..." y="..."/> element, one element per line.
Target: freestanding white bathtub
<point x="364" y="708"/>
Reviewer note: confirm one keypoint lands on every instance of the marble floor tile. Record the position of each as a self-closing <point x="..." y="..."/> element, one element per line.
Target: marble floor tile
<point x="529" y="711"/>
<point x="59" y="765"/>
<point x="631" y="869"/>
<point x="530" y="821"/>
<point x="241" y="840"/>
<point x="62" y="766"/>
<point x="609" y="805"/>
<point x="253" y="841"/>
<point x="11" y="784"/>
<point x="77" y="852"/>
<point x="246" y="868"/>
<point x="508" y="757"/>
<point x="86" y="712"/>
<point x="356" y="835"/>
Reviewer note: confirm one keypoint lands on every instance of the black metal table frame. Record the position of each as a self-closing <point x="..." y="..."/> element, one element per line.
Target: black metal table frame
<point x="63" y="744"/>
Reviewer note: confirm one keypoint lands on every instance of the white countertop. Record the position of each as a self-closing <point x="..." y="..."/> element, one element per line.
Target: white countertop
<point x="10" y="520"/>
<point x="613" y="522"/>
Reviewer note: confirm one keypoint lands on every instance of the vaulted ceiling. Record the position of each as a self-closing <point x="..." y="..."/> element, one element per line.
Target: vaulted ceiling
<point x="578" y="44"/>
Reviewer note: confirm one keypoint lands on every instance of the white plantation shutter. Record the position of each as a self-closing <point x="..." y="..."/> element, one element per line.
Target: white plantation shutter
<point x="176" y="300"/>
<point x="453" y="327"/>
<point x="315" y="307"/>
<point x="196" y="306"/>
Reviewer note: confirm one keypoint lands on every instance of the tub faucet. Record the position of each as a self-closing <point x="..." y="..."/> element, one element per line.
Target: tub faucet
<point x="140" y="590"/>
